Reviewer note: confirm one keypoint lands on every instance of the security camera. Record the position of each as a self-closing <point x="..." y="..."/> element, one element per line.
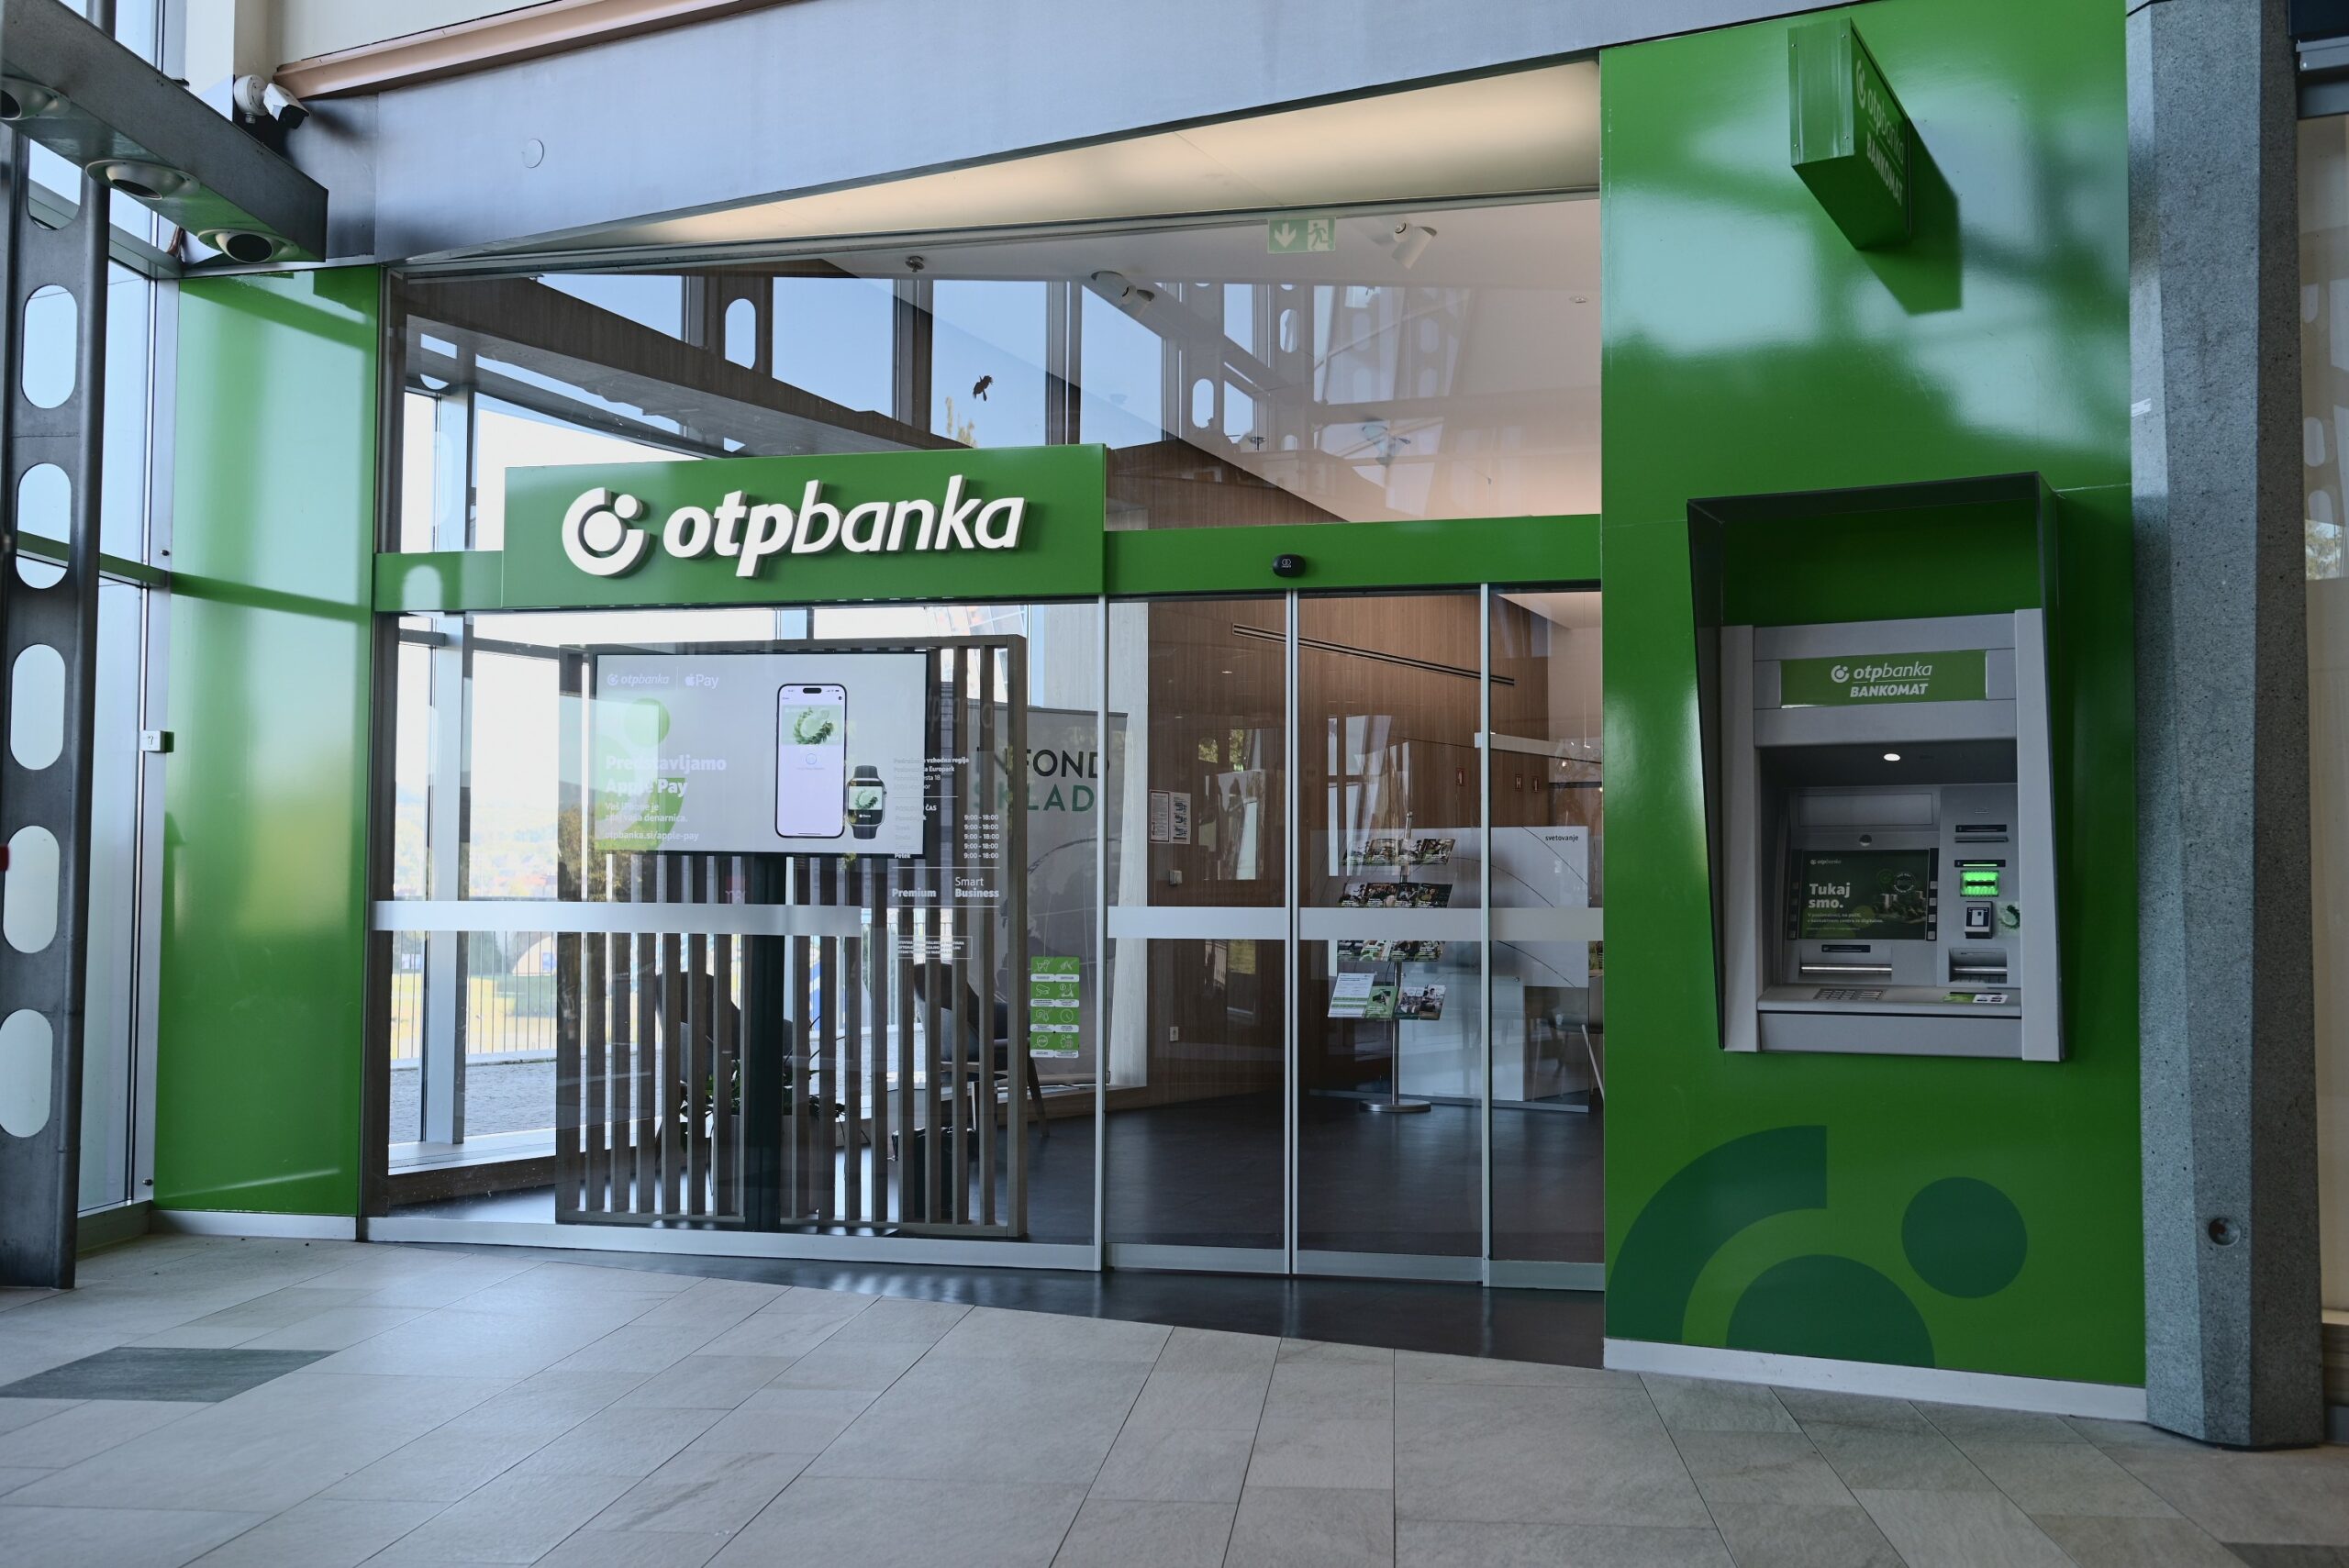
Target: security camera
<point x="259" y="98"/>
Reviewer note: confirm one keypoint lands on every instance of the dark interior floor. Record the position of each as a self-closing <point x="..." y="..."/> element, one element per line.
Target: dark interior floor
<point x="1207" y="1173"/>
<point x="1559" y="1327"/>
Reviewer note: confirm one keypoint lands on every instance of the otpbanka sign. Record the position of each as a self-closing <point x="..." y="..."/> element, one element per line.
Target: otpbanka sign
<point x="954" y="524"/>
<point x="1953" y="675"/>
<point x="1852" y="143"/>
<point x="606" y="533"/>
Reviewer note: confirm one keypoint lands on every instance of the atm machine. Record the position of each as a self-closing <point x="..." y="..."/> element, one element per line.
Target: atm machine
<point x="1888" y="875"/>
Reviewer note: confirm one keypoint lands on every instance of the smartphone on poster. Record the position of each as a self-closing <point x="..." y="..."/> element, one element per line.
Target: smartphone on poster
<point x="811" y="761"/>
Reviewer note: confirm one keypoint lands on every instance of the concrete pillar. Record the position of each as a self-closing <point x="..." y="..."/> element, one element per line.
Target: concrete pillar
<point x="2233" y="1310"/>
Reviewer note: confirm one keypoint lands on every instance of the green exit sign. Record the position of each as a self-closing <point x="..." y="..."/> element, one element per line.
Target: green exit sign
<point x="1852" y="143"/>
<point x="1296" y="235"/>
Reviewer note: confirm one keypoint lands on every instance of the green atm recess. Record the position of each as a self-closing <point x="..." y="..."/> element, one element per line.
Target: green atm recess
<point x="1888" y="839"/>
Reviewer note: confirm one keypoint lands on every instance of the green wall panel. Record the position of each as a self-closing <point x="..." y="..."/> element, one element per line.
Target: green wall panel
<point x="262" y="999"/>
<point x="1749" y="348"/>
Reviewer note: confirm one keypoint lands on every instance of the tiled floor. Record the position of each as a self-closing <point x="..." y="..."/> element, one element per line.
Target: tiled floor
<point x="469" y="1407"/>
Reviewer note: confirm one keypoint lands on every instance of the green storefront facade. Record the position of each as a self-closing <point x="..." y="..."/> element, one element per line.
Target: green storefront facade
<point x="1962" y="1214"/>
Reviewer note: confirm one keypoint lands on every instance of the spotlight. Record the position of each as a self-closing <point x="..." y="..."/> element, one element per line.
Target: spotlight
<point x="139" y="179"/>
<point x="24" y="100"/>
<point x="247" y="246"/>
<point x="1892" y="756"/>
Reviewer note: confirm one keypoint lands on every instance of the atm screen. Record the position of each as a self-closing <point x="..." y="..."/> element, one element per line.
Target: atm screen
<point x="1863" y="895"/>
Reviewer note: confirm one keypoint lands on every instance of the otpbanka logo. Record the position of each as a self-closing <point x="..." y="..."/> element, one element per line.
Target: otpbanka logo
<point x="1908" y="678"/>
<point x="604" y="534"/>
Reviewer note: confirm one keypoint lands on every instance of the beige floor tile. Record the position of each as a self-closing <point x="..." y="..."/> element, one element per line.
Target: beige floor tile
<point x="1708" y="1404"/>
<point x="1960" y="1530"/>
<point x="786" y="1421"/>
<point x="606" y="1549"/>
<point x="1176" y="1464"/>
<point x="707" y="1382"/>
<point x="114" y="1537"/>
<point x="1418" y="1366"/>
<point x="1895" y="1458"/>
<point x="2065" y="1478"/>
<point x="632" y="1442"/>
<point x="1111" y="1533"/>
<point x="886" y="1524"/>
<point x="1792" y="1535"/>
<point x="1325" y="1527"/>
<point x="514" y="1518"/>
<point x="1518" y="1455"/>
<point x="1326" y="1451"/>
<point x="703" y="1492"/>
<point x="2298" y="1497"/>
<point x="2105" y="1542"/>
<point x="321" y="1533"/>
<point x="87" y="1431"/>
<point x="1760" y="1467"/>
<point x="1436" y="1543"/>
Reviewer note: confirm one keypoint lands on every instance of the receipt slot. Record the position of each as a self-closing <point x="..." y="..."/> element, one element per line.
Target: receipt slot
<point x="1887" y="823"/>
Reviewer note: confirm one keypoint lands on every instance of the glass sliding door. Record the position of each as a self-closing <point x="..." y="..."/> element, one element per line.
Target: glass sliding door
<point x="1356" y="1022"/>
<point x="1390" y="880"/>
<point x="1198" y="918"/>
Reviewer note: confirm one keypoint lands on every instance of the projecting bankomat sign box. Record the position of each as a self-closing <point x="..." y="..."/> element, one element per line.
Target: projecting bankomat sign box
<point x="1889" y="839"/>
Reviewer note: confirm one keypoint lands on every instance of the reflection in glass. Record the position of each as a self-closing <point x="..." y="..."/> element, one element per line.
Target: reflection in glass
<point x="109" y="1021"/>
<point x="1390" y="1018"/>
<point x="1549" y="1050"/>
<point x="1197" y="1029"/>
<point x="988" y="362"/>
<point x="834" y="337"/>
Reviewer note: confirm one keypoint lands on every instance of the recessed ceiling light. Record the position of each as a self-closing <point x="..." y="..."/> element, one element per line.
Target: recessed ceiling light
<point x="1892" y="756"/>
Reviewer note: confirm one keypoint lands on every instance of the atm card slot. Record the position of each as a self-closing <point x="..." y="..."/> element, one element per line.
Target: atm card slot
<point x="1846" y="971"/>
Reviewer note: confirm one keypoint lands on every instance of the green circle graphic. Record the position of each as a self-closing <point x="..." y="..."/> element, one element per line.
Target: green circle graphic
<point x="1821" y="1305"/>
<point x="1963" y="1237"/>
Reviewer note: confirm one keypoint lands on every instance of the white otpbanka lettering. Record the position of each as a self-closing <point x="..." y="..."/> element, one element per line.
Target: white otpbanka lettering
<point x="608" y="535"/>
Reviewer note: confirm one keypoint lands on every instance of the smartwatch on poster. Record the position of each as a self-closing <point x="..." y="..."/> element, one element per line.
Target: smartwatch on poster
<point x="866" y="799"/>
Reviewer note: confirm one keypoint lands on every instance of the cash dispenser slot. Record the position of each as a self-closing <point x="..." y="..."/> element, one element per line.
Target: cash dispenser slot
<point x="1981" y="968"/>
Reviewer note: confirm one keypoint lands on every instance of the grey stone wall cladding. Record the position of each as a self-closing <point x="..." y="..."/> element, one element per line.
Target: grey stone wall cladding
<point x="2225" y="990"/>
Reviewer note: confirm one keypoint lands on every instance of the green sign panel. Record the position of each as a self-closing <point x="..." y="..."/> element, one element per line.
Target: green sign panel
<point x="1852" y="144"/>
<point x="1860" y="679"/>
<point x="1014" y="523"/>
<point x="1055" y="1002"/>
<point x="1292" y="235"/>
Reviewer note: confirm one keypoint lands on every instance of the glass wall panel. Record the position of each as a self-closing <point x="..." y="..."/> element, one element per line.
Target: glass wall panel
<point x="836" y="336"/>
<point x="2324" y="407"/>
<point x="110" y="1018"/>
<point x="1390" y="875"/>
<point x="987" y="361"/>
<point x="1549" y="1019"/>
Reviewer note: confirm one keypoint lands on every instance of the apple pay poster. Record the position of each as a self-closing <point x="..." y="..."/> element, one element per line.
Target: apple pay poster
<point x="743" y="753"/>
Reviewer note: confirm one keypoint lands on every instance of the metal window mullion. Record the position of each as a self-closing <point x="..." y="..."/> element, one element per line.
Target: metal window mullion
<point x="1485" y="942"/>
<point x="1103" y="894"/>
<point x="1291" y="986"/>
<point x="442" y="1062"/>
